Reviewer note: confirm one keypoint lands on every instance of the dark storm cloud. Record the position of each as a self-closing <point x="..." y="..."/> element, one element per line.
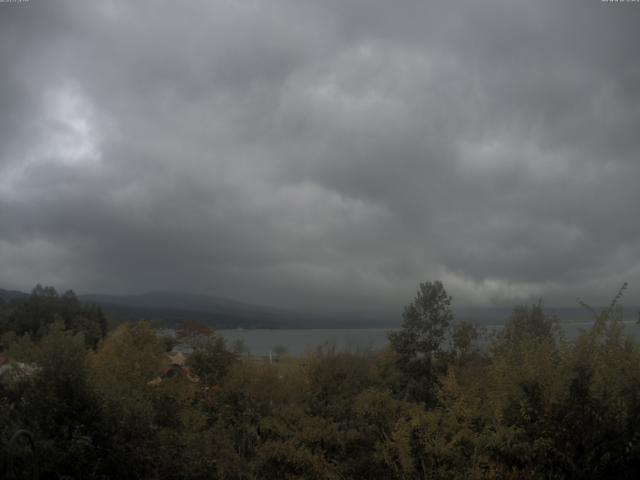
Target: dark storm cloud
<point x="321" y="153"/>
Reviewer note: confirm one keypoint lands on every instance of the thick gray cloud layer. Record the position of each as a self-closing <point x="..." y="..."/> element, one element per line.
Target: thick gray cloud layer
<point x="313" y="153"/>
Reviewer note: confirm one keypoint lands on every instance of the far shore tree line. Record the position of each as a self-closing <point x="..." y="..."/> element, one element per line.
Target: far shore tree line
<point x="439" y="402"/>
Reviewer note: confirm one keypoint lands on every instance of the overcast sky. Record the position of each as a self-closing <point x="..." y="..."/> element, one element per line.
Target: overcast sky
<point x="331" y="152"/>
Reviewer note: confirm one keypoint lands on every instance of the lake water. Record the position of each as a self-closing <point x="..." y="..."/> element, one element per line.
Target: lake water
<point x="260" y="342"/>
<point x="296" y="342"/>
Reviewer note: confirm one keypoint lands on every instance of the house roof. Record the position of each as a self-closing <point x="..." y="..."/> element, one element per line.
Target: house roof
<point x="177" y="358"/>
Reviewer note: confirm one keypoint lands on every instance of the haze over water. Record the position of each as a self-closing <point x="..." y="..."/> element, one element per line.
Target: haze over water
<point x="259" y="342"/>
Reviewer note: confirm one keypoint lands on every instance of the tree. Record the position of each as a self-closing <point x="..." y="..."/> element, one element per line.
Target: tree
<point x="59" y="405"/>
<point x="120" y="370"/>
<point x="211" y="360"/>
<point x="463" y="336"/>
<point x="35" y="314"/>
<point x="279" y="351"/>
<point x="425" y="323"/>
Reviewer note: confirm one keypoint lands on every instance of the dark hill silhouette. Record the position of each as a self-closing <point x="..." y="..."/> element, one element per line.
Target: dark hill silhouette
<point x="170" y="309"/>
<point x="7" y="295"/>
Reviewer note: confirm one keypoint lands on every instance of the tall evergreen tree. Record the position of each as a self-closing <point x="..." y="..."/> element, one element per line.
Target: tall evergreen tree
<point x="425" y="323"/>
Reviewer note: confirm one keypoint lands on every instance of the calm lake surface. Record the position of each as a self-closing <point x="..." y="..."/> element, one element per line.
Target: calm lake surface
<point x="296" y="342"/>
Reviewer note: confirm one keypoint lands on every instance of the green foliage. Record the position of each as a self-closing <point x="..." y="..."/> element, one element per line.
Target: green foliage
<point x="528" y="323"/>
<point x="425" y="323"/>
<point x="464" y="342"/>
<point x="211" y="360"/>
<point x="433" y="405"/>
<point x="334" y="379"/>
<point x="35" y="314"/>
<point x="58" y="404"/>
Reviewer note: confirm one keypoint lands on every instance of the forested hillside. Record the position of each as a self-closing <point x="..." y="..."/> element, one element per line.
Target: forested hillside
<point x="434" y="404"/>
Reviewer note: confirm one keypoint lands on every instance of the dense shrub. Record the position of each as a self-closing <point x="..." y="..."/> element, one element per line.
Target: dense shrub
<point x="529" y="405"/>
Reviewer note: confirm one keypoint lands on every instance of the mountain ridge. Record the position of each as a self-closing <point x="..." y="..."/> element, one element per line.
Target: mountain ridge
<point x="171" y="308"/>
